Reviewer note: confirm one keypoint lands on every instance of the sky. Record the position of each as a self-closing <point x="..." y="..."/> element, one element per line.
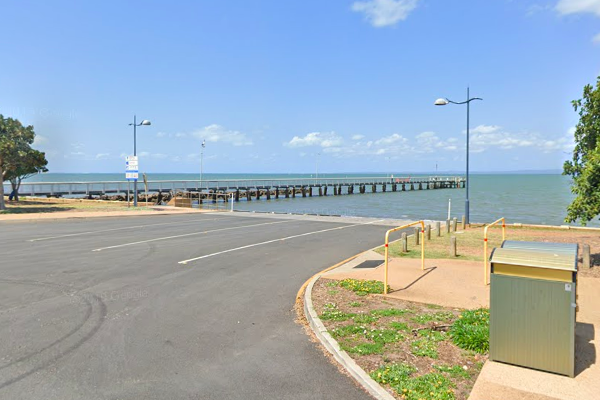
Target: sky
<point x="296" y="86"/>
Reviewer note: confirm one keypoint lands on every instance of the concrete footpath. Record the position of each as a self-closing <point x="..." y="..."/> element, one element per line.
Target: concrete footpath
<point x="69" y="214"/>
<point x="459" y="284"/>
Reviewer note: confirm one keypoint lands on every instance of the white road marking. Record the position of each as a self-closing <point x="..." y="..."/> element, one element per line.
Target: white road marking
<point x="275" y="240"/>
<point x="188" y="234"/>
<point x="119" y="229"/>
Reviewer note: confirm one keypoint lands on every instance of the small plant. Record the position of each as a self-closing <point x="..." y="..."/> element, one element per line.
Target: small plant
<point x="440" y="316"/>
<point x="471" y="331"/>
<point x="428" y="386"/>
<point x="390" y="312"/>
<point x="331" y="284"/>
<point x="332" y="313"/>
<point x="362" y="287"/>
<point x="336" y="315"/>
<point x="424" y="348"/>
<point x="332" y="292"/>
<point x="365" y="348"/>
<point x="384" y="336"/>
<point x="399" y="326"/>
<point x="364" y="318"/>
<point x="348" y="330"/>
<point x="355" y="304"/>
<point x="435" y="336"/>
<point x="455" y="371"/>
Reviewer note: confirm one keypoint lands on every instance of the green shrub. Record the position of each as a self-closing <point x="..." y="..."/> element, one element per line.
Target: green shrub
<point x="362" y="287"/>
<point x="471" y="331"/>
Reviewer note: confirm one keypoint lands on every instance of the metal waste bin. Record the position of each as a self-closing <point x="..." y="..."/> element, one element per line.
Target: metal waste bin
<point x="533" y="305"/>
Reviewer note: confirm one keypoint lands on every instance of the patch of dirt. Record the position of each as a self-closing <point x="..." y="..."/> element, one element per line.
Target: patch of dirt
<point x="326" y="294"/>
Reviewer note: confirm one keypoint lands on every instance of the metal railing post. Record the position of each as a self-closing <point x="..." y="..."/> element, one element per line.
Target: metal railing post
<point x="485" y="246"/>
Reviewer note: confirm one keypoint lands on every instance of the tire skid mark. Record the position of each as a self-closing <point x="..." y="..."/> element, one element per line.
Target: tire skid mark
<point x="48" y="355"/>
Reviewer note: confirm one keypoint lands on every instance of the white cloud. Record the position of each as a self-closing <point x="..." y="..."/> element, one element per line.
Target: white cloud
<point x="390" y="139"/>
<point x="146" y="154"/>
<point x="578" y="6"/>
<point x="102" y="156"/>
<point x="484" y="139"/>
<point x="216" y="133"/>
<point x="40" y="140"/>
<point x="485" y="129"/>
<point x="323" y="139"/>
<point x="596" y="39"/>
<point x="357" y="137"/>
<point x="161" y="134"/>
<point x="382" y="13"/>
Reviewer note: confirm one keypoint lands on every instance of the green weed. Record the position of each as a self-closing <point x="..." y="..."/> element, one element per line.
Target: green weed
<point x="355" y="304"/>
<point x="362" y="287"/>
<point x="428" y="386"/>
<point x="365" y="348"/>
<point x="471" y="331"/>
<point x="424" y="348"/>
<point x="390" y="312"/>
<point x="440" y="316"/>
<point x="455" y="371"/>
<point x="400" y="326"/>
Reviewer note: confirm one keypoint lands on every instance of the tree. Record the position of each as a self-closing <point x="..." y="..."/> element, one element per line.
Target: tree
<point x="27" y="163"/>
<point x="14" y="140"/>
<point x="585" y="166"/>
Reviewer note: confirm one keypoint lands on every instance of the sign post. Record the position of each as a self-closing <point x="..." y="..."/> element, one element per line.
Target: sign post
<point x="146" y="187"/>
<point x="131" y="173"/>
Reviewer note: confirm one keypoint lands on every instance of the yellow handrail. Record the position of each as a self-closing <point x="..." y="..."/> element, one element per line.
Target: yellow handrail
<point x="387" y="242"/>
<point x="485" y="240"/>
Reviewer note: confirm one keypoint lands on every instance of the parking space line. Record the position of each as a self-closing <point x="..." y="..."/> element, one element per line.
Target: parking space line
<point x="188" y="234"/>
<point x="120" y="229"/>
<point x="275" y="240"/>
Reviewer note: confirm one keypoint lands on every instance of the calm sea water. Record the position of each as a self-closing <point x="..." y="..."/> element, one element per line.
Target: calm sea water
<point x="535" y="198"/>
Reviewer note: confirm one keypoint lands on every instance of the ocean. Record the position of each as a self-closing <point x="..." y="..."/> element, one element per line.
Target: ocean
<point x="522" y="198"/>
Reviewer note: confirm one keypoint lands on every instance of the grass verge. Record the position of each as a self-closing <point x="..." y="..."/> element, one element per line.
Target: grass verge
<point x="419" y="351"/>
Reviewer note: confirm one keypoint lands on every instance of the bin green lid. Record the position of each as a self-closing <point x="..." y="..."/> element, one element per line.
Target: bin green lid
<point x="535" y="258"/>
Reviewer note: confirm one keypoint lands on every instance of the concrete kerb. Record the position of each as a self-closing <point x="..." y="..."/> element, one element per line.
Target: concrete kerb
<point x="372" y="387"/>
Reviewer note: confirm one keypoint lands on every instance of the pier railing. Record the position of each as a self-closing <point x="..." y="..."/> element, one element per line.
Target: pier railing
<point x="115" y="187"/>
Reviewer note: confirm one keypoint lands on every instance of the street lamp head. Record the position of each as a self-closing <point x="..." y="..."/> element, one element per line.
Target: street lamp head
<point x="441" y="102"/>
<point x="146" y="122"/>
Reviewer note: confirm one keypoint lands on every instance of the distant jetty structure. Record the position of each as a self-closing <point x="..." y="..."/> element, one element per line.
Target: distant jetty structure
<point x="245" y="189"/>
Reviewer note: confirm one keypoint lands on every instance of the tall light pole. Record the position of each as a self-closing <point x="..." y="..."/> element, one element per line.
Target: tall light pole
<point x="443" y="102"/>
<point x="135" y="125"/>
<point x="202" y="161"/>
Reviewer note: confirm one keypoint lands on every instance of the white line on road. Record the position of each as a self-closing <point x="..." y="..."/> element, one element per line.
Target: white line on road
<point x="120" y="229"/>
<point x="188" y="234"/>
<point x="275" y="240"/>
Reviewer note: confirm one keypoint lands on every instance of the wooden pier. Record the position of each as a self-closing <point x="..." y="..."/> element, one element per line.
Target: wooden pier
<point x="245" y="189"/>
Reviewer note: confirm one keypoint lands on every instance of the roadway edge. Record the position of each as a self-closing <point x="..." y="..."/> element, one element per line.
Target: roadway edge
<point x="372" y="387"/>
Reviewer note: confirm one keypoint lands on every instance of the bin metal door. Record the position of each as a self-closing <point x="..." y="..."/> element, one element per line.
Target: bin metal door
<point x="532" y="323"/>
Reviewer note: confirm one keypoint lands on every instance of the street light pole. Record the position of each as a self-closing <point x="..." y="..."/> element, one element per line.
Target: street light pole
<point x="135" y="125"/>
<point x="443" y="102"/>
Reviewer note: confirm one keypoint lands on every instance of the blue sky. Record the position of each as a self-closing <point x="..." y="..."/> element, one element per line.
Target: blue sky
<point x="273" y="85"/>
